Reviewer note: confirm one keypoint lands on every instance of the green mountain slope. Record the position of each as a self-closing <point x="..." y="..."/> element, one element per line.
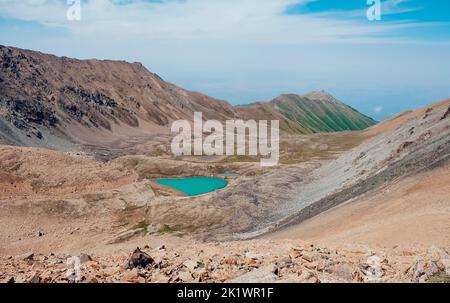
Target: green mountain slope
<point x="320" y="112"/>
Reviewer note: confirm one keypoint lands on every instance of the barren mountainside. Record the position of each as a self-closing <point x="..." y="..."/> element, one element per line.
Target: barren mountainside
<point x="51" y="101"/>
<point x="41" y="92"/>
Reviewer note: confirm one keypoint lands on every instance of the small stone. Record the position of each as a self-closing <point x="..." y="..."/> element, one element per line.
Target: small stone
<point x="131" y="276"/>
<point x="321" y="266"/>
<point x="162" y="247"/>
<point x="252" y="256"/>
<point x="408" y="253"/>
<point x="310" y="265"/>
<point x="93" y="280"/>
<point x="252" y="263"/>
<point x="28" y="256"/>
<point x="343" y="271"/>
<point x="185" y="276"/>
<point x="191" y="265"/>
<point x="84" y="258"/>
<point x="308" y="256"/>
<point x="446" y="265"/>
<point x="231" y="261"/>
<point x="36" y="279"/>
<point x="46" y="277"/>
<point x="308" y="276"/>
<point x="295" y="254"/>
<point x="435" y="254"/>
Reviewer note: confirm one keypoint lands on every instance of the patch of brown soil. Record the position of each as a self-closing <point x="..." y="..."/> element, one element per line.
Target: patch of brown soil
<point x="31" y="172"/>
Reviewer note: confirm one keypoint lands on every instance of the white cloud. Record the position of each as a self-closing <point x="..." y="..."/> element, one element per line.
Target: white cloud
<point x="229" y="21"/>
<point x="392" y="7"/>
<point x="378" y="109"/>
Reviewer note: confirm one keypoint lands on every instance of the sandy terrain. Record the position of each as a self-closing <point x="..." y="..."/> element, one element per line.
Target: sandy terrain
<point x="410" y="212"/>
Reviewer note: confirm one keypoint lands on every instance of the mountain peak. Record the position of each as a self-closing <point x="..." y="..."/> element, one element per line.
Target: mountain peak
<point x="321" y="96"/>
<point x="321" y="112"/>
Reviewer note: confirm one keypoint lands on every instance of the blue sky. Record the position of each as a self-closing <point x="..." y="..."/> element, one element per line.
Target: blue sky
<point x="251" y="50"/>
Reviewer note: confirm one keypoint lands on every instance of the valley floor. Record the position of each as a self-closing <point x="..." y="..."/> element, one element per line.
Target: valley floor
<point x="377" y="206"/>
<point x="398" y="234"/>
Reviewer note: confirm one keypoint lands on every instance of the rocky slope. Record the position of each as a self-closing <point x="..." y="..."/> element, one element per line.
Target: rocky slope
<point x="49" y="101"/>
<point x="244" y="262"/>
<point x="410" y="210"/>
<point x="56" y="102"/>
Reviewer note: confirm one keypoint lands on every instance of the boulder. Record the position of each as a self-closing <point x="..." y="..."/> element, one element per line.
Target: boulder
<point x="260" y="275"/>
<point x="139" y="259"/>
<point x="84" y="258"/>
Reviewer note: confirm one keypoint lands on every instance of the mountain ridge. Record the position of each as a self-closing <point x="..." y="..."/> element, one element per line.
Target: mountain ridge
<point x="52" y="101"/>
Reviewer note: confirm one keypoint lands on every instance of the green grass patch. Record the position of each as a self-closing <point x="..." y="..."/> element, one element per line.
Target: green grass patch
<point x="142" y="225"/>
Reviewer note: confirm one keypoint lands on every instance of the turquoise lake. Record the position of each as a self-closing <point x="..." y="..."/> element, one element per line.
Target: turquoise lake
<point x="194" y="186"/>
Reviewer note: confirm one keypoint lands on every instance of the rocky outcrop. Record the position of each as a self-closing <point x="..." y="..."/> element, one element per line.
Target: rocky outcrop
<point x="139" y="259"/>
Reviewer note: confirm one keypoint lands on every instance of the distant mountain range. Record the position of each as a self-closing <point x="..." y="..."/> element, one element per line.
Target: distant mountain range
<point x="54" y="101"/>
